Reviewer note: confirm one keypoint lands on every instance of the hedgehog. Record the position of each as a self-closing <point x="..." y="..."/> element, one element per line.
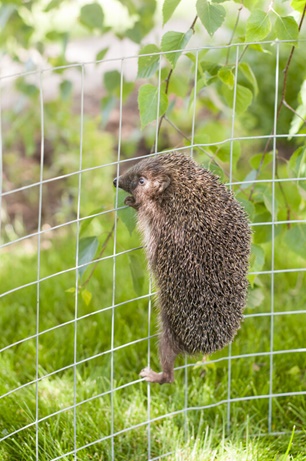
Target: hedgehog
<point x="196" y="237"/>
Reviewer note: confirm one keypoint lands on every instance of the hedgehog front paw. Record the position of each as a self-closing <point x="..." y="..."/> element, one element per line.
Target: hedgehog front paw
<point x="152" y="377"/>
<point x="130" y="201"/>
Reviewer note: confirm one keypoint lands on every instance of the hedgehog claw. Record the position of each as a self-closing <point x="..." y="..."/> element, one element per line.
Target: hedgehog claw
<point x="149" y="375"/>
<point x="152" y="377"/>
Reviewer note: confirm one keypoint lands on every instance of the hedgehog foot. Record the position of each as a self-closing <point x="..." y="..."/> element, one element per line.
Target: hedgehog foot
<point x="152" y="377"/>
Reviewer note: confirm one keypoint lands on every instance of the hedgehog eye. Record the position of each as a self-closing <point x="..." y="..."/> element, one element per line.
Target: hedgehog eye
<point x="142" y="181"/>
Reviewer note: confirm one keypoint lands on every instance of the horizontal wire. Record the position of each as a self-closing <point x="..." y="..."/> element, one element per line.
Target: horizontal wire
<point x="159" y="53"/>
<point x="189" y="365"/>
<point x="131" y="383"/>
<point x="65" y="271"/>
<point x="133" y="159"/>
<point x="108" y="308"/>
<point x="176" y="413"/>
<point x="74" y="221"/>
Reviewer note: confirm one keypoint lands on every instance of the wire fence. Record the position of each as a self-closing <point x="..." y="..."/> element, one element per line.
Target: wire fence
<point x="25" y="342"/>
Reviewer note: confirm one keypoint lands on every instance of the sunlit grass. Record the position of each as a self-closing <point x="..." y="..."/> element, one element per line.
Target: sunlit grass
<point x="197" y="434"/>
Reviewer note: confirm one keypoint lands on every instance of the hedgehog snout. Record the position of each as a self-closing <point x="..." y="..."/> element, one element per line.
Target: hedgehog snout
<point x="122" y="183"/>
<point x="118" y="183"/>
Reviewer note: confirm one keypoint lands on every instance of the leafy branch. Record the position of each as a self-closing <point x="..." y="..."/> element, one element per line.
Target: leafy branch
<point x="282" y="104"/>
<point x="99" y="256"/>
<point x="167" y="81"/>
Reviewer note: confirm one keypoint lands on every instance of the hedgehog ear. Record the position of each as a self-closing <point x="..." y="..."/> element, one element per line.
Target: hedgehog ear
<point x="162" y="183"/>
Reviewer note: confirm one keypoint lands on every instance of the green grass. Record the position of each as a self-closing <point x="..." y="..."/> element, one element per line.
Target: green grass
<point x="198" y="434"/>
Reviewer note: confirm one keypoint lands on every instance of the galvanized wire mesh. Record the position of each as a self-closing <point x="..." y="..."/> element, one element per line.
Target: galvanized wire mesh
<point x="9" y="245"/>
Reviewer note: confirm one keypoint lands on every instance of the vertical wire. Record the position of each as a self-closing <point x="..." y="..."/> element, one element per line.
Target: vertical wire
<point x="42" y="122"/>
<point x="158" y="104"/>
<point x="76" y="299"/>
<point x="186" y="431"/>
<point x="1" y="163"/>
<point x="149" y="364"/>
<point x="114" y="271"/>
<point x="273" y="238"/>
<point x="195" y="86"/>
<point x="229" y="375"/>
<point x="150" y="280"/>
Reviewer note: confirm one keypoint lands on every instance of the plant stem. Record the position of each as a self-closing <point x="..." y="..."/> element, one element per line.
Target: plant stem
<point x="233" y="34"/>
<point x="167" y="89"/>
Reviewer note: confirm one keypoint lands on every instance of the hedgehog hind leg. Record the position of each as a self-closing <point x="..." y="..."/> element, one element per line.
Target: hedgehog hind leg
<point x="167" y="358"/>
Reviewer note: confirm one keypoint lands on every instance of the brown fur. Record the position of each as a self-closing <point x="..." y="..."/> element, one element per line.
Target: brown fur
<point x="197" y="240"/>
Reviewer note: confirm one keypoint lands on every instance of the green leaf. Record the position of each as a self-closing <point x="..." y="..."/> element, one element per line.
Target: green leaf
<point x="87" y="250"/>
<point x="258" y="26"/>
<point x="131" y="7"/>
<point x="286" y="28"/>
<point x="66" y="89"/>
<point x="299" y="117"/>
<point x="248" y="206"/>
<point x="257" y="259"/>
<point x="297" y="121"/>
<point x="108" y="103"/>
<point x="180" y="85"/>
<point x="268" y="201"/>
<point x="100" y="55"/>
<point x="297" y="165"/>
<point x="137" y="272"/>
<point x="92" y="16"/>
<point x="211" y="15"/>
<point x="200" y="138"/>
<point x="86" y="296"/>
<point x="145" y="12"/>
<point x="244" y="97"/>
<point x="147" y="103"/>
<point x="226" y="76"/>
<point x="216" y="170"/>
<point x="302" y="190"/>
<point x="168" y="9"/>
<point x="224" y="152"/>
<point x="86" y="222"/>
<point x="295" y="239"/>
<point x="298" y="5"/>
<point x="28" y="89"/>
<point x="251" y="176"/>
<point x="52" y="5"/>
<point x="201" y="83"/>
<point x="175" y="41"/>
<point x="127" y="88"/>
<point x="255" y="298"/>
<point x="127" y="215"/>
<point x="249" y="4"/>
<point x="297" y="162"/>
<point x="211" y="67"/>
<point x="258" y="47"/>
<point x="148" y="65"/>
<point x="261" y="160"/>
<point x="249" y="75"/>
<point x="294" y="371"/>
<point x="112" y="80"/>
<point x="263" y="233"/>
<point x="136" y="33"/>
